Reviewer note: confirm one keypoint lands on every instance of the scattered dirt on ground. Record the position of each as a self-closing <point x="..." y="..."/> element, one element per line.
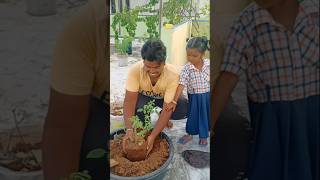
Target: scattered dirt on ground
<point x="155" y="159"/>
<point x="116" y="109"/>
<point x="18" y="155"/>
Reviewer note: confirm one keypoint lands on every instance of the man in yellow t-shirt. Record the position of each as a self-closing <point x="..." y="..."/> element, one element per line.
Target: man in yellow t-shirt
<point x="152" y="79"/>
<point x="76" y="122"/>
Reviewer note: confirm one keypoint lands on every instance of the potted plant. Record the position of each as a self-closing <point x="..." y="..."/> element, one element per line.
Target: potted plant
<point x="127" y="19"/>
<point x="131" y="154"/>
<point x="136" y="150"/>
<point x="121" y="49"/>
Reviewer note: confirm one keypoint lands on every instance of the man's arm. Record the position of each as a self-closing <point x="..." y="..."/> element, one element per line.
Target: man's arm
<point x="162" y="122"/>
<point x="62" y="135"/>
<point x="160" y="125"/>
<point x="226" y="82"/>
<point x="129" y="107"/>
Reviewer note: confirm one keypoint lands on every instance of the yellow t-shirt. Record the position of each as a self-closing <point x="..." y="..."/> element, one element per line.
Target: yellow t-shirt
<point x="165" y="88"/>
<point x="79" y="60"/>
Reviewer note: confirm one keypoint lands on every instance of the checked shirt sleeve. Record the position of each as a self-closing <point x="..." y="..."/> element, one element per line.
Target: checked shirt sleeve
<point x="235" y="59"/>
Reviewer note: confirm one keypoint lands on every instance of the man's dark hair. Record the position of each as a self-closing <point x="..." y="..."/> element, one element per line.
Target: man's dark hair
<point x="154" y="50"/>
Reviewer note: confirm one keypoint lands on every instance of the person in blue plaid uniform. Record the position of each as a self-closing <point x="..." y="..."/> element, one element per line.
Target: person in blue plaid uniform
<point x="275" y="43"/>
<point x="195" y="76"/>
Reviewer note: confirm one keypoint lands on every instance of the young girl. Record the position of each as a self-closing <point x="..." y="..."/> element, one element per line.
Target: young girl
<point x="196" y="77"/>
<point x="279" y="54"/>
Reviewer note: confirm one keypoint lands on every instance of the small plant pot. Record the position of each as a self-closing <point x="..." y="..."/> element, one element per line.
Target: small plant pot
<point x="123" y="60"/>
<point x="41" y="7"/>
<point x="129" y="50"/>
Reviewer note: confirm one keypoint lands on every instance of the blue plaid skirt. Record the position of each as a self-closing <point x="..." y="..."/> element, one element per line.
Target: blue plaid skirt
<point x="198" y="114"/>
<point x="286" y="138"/>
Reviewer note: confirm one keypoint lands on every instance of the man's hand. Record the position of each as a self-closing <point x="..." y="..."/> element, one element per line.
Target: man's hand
<point x="129" y="135"/>
<point x="150" y="142"/>
<point x="170" y="106"/>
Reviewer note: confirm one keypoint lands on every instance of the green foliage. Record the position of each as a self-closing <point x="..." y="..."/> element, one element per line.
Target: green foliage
<point x="122" y="46"/>
<point x="139" y="128"/>
<point x="81" y="176"/>
<point x="152" y="23"/>
<point x="84" y="175"/>
<point x="205" y="10"/>
<point x="96" y="153"/>
<point x="178" y="11"/>
<point x="129" y="18"/>
<point x="136" y="123"/>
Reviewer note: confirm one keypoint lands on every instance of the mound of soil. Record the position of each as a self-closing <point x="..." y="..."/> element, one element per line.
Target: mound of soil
<point x="134" y="151"/>
<point x="155" y="159"/>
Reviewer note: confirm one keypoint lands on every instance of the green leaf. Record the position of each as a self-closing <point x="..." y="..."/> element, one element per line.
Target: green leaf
<point x="96" y="153"/>
<point x="80" y="176"/>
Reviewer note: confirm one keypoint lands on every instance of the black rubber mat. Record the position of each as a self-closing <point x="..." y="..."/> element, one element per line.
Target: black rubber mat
<point x="197" y="159"/>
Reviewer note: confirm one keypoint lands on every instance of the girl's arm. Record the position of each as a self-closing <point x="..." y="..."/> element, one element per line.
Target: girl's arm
<point x="178" y="92"/>
<point x="221" y="93"/>
<point x="172" y="105"/>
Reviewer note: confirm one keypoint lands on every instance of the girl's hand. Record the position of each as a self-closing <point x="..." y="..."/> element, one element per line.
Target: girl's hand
<point x="170" y="106"/>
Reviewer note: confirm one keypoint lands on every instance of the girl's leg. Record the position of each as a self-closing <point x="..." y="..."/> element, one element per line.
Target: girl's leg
<point x="204" y="110"/>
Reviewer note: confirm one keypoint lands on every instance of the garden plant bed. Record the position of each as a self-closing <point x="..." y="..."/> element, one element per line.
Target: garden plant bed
<point x="157" y="157"/>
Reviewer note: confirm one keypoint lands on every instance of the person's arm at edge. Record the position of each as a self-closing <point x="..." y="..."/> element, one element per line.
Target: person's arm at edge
<point x="62" y="134"/>
<point x="222" y="91"/>
<point x="129" y="106"/>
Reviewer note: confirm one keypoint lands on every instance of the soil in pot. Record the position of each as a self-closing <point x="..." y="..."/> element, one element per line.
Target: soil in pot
<point x="154" y="161"/>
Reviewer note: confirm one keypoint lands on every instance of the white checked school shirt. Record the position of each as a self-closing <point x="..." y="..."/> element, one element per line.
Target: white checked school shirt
<point x="287" y="63"/>
<point x="197" y="81"/>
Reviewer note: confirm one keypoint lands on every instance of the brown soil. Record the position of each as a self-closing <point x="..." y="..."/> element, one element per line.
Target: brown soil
<point x="116" y="109"/>
<point x="155" y="159"/>
<point x="21" y="158"/>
